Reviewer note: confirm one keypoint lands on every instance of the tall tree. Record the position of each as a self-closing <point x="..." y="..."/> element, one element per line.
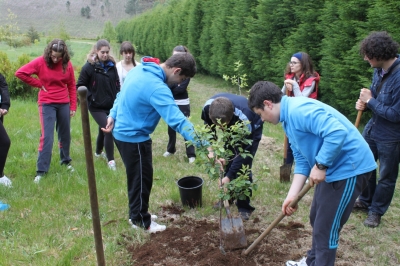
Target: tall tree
<point x="68" y="4"/>
<point x="33" y="34"/>
<point x="109" y="32"/>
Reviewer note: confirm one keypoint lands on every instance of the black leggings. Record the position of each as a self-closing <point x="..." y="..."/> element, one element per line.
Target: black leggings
<point x="104" y="140"/>
<point x="5" y="144"/>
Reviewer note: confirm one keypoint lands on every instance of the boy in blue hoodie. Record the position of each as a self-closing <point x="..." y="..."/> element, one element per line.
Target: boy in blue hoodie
<point x="328" y="149"/>
<point x="144" y="98"/>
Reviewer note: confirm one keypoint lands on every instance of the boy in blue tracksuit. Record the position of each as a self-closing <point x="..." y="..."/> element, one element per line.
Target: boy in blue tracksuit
<point x="330" y="151"/>
<point x="144" y="98"/>
<point x="231" y="109"/>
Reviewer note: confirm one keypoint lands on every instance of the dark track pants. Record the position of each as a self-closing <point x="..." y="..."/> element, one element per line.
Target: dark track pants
<point x="331" y="208"/>
<point x="103" y="139"/>
<point x="50" y="115"/>
<point x="5" y="143"/>
<point x="185" y="109"/>
<point x="137" y="158"/>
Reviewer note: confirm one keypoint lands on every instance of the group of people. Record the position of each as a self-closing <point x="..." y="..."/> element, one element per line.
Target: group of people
<point x="127" y="100"/>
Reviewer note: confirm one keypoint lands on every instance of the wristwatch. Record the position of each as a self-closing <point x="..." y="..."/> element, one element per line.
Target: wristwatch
<point x="321" y="166"/>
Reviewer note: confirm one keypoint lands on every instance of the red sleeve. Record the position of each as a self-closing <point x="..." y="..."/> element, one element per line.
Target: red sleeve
<point x="72" y="88"/>
<point x="25" y="73"/>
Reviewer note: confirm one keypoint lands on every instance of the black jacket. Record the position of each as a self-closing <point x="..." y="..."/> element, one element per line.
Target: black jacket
<point x="102" y="85"/>
<point x="4" y="95"/>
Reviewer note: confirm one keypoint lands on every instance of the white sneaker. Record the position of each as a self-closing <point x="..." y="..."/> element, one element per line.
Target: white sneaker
<point x="302" y="262"/>
<point x="166" y="154"/>
<point x="155" y="227"/>
<point x="37" y="179"/>
<point x="112" y="165"/>
<point x="5" y="181"/>
<point x="101" y="155"/>
<point x="70" y="168"/>
<point x="192" y="159"/>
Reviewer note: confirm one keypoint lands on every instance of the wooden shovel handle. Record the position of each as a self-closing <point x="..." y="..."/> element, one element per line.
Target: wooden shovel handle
<point x="305" y="189"/>
<point x="358" y="118"/>
<point x="285" y="141"/>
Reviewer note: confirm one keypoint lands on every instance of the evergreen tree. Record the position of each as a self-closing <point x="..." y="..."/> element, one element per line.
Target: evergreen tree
<point x="109" y="32"/>
<point x="68" y="4"/>
<point x="33" y="34"/>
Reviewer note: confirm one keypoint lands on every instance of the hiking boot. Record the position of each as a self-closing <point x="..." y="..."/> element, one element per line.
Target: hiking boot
<point x="373" y="220"/>
<point x="192" y="159"/>
<point x="301" y="262"/>
<point x="112" y="166"/>
<point x="245" y="215"/>
<point x="5" y="181"/>
<point x="166" y="154"/>
<point x="360" y="206"/>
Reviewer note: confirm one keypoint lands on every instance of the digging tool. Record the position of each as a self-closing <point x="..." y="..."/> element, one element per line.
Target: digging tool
<point x="358" y="119"/>
<point x="286" y="168"/>
<point x="231" y="228"/>
<point x="91" y="177"/>
<point x="305" y="189"/>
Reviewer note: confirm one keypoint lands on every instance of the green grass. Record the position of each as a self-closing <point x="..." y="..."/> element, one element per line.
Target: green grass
<point x="50" y="223"/>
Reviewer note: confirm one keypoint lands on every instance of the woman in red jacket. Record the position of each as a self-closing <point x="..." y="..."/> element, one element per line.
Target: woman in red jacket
<point x="300" y="80"/>
<point x="56" y="100"/>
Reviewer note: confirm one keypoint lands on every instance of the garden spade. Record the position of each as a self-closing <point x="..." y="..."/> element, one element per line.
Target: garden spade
<point x="286" y="168"/>
<point x="232" y="230"/>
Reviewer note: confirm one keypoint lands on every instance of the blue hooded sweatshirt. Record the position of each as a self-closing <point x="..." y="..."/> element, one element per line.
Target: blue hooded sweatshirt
<point x="318" y="132"/>
<point x="143" y="100"/>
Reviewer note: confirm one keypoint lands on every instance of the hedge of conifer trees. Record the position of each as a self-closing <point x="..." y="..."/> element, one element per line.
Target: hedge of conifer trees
<point x="263" y="34"/>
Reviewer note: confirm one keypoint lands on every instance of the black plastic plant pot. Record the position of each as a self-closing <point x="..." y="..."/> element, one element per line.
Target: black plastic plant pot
<point x="190" y="190"/>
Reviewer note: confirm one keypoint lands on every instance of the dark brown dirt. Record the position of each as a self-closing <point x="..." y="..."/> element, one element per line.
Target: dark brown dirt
<point x="187" y="241"/>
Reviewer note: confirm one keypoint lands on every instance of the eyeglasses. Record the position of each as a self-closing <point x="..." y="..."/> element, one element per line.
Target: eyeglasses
<point x="293" y="63"/>
<point x="55" y="57"/>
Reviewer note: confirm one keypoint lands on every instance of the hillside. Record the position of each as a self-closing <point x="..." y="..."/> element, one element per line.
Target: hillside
<point x="47" y="15"/>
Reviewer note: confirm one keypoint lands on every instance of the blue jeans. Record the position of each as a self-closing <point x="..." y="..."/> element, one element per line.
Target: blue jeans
<point x="378" y="196"/>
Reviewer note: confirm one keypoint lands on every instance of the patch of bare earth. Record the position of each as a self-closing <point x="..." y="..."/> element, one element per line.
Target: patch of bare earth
<point x="188" y="241"/>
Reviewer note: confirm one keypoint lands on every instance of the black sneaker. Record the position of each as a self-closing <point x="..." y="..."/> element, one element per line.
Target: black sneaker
<point x="373" y="220"/>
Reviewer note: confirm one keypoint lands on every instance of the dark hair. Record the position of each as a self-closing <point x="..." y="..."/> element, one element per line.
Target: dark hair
<point x="307" y="67"/>
<point x="180" y="49"/>
<point x="59" y="46"/>
<point x="261" y="91"/>
<point x="127" y="47"/>
<point x="379" y="45"/>
<point x="185" y="61"/>
<point x="221" y="109"/>
<point x="97" y="47"/>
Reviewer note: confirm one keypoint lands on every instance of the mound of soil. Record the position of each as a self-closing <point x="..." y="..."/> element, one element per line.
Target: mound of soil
<point x="188" y="241"/>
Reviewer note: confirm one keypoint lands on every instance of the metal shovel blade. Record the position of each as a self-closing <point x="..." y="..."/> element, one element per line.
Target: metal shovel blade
<point x="232" y="231"/>
<point x="285" y="170"/>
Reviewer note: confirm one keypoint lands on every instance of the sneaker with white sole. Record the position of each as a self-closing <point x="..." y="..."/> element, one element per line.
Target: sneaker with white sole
<point x="102" y="155"/>
<point x="153" y="218"/>
<point x="155" y="227"/>
<point x="70" y="168"/>
<point x="166" y="154"/>
<point x="112" y="165"/>
<point x="192" y="159"/>
<point x="37" y="179"/>
<point x="5" y="181"/>
<point x="302" y="262"/>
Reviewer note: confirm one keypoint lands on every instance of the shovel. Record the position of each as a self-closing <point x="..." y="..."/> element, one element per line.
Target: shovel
<point x="305" y="189"/>
<point x="231" y="228"/>
<point x="286" y="168"/>
<point x="232" y="231"/>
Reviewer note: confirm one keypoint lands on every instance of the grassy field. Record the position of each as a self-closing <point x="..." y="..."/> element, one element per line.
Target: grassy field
<point x="50" y="223"/>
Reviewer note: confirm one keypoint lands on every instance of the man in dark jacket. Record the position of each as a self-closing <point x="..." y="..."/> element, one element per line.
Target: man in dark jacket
<point x="230" y="109"/>
<point x="383" y="130"/>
